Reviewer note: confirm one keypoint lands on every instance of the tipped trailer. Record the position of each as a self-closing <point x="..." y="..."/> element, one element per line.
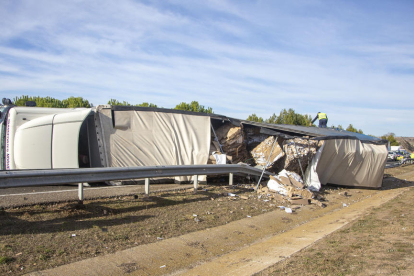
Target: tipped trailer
<point x="105" y="136"/>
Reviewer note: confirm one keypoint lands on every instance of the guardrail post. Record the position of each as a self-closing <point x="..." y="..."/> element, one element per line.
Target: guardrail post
<point x="230" y="179"/>
<point x="147" y="189"/>
<point x="80" y="192"/>
<point x="195" y="183"/>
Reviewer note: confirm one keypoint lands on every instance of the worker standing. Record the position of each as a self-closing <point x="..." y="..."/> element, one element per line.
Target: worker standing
<point x="323" y="119"/>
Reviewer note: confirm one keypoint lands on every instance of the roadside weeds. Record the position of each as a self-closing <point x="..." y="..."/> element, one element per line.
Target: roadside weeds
<point x="38" y="237"/>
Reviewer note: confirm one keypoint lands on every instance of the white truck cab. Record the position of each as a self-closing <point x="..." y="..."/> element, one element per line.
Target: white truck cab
<point x="42" y="138"/>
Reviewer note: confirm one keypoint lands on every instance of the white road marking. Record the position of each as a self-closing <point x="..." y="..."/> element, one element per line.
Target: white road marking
<point x="64" y="191"/>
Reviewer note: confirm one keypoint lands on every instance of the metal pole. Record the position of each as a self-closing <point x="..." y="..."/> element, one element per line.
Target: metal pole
<point x="221" y="149"/>
<point x="264" y="167"/>
<point x="308" y="168"/>
<point x="300" y="165"/>
<point x="230" y="179"/>
<point x="80" y="192"/>
<point x="195" y="183"/>
<point x="147" y="186"/>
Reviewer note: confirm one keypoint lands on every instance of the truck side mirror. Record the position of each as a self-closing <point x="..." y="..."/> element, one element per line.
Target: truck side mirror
<point x="6" y="101"/>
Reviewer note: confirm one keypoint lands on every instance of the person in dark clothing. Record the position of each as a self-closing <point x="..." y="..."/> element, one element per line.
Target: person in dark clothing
<point x="323" y="119"/>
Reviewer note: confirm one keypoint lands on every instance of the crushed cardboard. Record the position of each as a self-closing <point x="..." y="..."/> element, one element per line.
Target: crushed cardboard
<point x="262" y="151"/>
<point x="295" y="192"/>
<point x="304" y="151"/>
<point x="232" y="142"/>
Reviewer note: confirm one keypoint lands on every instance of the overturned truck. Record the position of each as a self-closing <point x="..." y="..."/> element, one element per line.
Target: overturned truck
<point x="119" y="136"/>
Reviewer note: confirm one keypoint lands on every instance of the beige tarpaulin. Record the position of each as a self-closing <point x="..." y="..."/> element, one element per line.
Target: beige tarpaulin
<point x="148" y="138"/>
<point x="352" y="163"/>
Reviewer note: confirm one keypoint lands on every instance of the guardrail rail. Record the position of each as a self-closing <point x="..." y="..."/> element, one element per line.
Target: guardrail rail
<point x="24" y="178"/>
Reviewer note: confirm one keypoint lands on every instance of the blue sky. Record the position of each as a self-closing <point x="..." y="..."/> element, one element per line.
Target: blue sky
<point x="353" y="60"/>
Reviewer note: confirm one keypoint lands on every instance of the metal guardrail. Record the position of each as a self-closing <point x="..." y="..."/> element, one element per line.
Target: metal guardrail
<point x="21" y="178"/>
<point x="407" y="161"/>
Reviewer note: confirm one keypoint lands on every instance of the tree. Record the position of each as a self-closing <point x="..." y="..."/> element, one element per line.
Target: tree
<point x="193" y="106"/>
<point x="73" y="102"/>
<point x="271" y="120"/>
<point x="116" y="102"/>
<point x="124" y="103"/>
<point x="391" y="138"/>
<point x="148" y="105"/>
<point x="254" y="118"/>
<point x="352" y="129"/>
<point x="290" y="117"/>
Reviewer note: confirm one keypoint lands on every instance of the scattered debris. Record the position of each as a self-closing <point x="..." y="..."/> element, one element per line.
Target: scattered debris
<point x="296" y="149"/>
<point x="289" y="187"/>
<point x="231" y="139"/>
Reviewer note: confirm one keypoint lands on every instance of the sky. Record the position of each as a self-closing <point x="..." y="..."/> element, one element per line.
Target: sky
<point x="353" y="60"/>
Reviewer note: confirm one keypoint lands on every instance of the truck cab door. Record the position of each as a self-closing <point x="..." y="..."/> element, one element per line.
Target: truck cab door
<point x="65" y="141"/>
<point x="50" y="141"/>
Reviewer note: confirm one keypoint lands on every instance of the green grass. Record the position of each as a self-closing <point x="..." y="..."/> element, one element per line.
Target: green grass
<point x="5" y="259"/>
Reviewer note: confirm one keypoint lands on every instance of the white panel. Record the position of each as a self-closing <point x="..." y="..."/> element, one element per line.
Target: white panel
<point x="32" y="144"/>
<point x="66" y="127"/>
<point x="352" y="163"/>
<point x="77" y="115"/>
<point x="65" y="145"/>
<point x="147" y="138"/>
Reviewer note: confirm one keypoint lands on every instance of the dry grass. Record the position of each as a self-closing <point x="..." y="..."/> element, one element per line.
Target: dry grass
<point x="44" y="236"/>
<point x="380" y="243"/>
<point x="38" y="237"/>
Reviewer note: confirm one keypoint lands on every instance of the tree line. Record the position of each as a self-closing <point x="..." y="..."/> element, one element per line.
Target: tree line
<point x="287" y="117"/>
<point x="74" y="102"/>
<point x="290" y="117"/>
<point x="71" y="102"/>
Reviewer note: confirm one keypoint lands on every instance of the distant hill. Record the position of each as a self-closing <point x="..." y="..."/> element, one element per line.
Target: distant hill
<point x="406" y="142"/>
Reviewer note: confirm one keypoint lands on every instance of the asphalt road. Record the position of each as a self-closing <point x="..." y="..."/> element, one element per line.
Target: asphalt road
<point x="392" y="164"/>
<point x="43" y="194"/>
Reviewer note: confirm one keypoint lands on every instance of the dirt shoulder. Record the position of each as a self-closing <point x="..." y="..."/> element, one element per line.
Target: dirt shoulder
<point x="45" y="236"/>
<point x="381" y="243"/>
